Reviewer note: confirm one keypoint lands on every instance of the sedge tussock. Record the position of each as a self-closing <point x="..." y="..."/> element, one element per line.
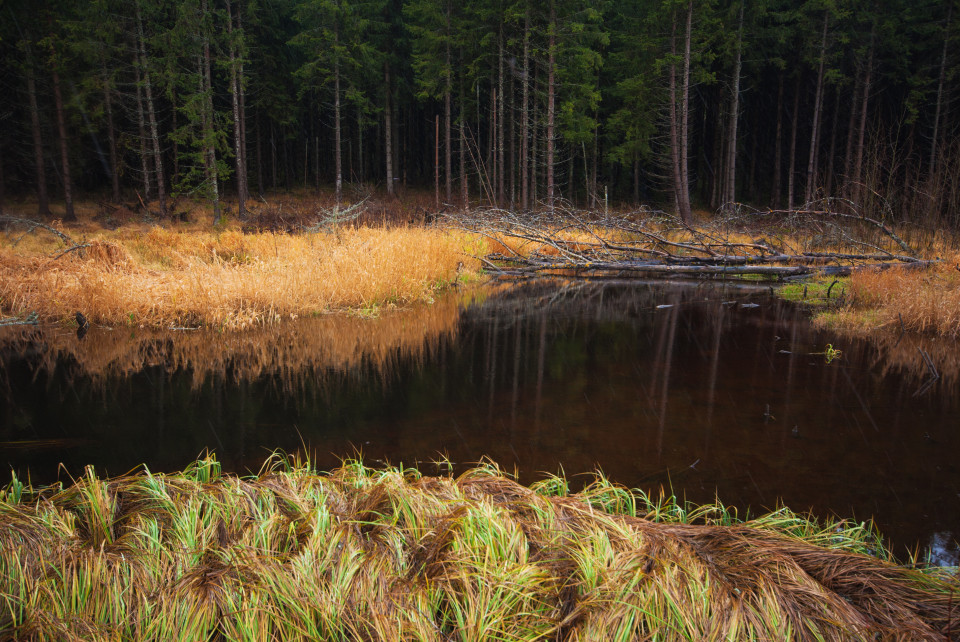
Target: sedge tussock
<point x="388" y="554"/>
<point x="231" y="279"/>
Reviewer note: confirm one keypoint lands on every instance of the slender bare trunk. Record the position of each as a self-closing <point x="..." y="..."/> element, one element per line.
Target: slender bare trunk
<point x="239" y="169"/>
<point x="778" y="148"/>
<point x="243" y="111"/>
<point x="525" y="119"/>
<point x="338" y="162"/>
<point x="388" y="128"/>
<point x="259" y="151"/>
<point x="448" y="116"/>
<point x="142" y="131"/>
<point x="810" y="187"/>
<point x="501" y="157"/>
<point x="69" y="214"/>
<point x="152" y="118"/>
<point x="674" y="123"/>
<point x="43" y="201"/>
<point x="211" y="152"/>
<point x="791" y="170"/>
<point x="833" y="143"/>
<point x="730" y="190"/>
<point x="861" y="134"/>
<point x="551" y="106"/>
<point x="111" y="136"/>
<point x="464" y="185"/>
<point x="679" y="134"/>
<point x="851" y="132"/>
<point x="685" y="211"/>
<point x="935" y="141"/>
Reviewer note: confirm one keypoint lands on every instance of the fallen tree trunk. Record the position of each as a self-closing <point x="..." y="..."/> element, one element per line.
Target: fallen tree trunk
<point x="651" y="267"/>
<point x="806" y="242"/>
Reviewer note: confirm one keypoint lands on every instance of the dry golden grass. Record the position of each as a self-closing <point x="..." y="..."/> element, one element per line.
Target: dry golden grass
<point x="189" y="275"/>
<point x="927" y="301"/>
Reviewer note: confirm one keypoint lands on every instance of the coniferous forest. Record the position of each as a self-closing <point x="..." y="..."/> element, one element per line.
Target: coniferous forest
<point x="681" y="104"/>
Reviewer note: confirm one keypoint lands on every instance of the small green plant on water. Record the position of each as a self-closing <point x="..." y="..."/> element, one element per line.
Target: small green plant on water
<point x="830" y="353"/>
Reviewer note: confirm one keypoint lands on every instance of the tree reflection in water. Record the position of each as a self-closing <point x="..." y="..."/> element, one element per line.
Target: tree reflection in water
<point x="707" y="390"/>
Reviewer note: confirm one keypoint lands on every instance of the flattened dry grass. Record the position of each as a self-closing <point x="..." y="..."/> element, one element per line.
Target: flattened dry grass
<point x="389" y="554"/>
<point x="159" y="277"/>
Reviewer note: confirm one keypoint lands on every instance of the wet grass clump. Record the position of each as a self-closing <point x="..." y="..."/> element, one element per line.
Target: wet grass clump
<point x="390" y="554"/>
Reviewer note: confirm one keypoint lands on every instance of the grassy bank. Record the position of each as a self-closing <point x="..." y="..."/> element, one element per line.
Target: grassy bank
<point x="145" y="274"/>
<point x="363" y="554"/>
<point x="923" y="301"/>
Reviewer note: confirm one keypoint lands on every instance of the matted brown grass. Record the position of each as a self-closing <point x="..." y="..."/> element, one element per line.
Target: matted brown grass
<point x="387" y="554"/>
<point x="149" y="275"/>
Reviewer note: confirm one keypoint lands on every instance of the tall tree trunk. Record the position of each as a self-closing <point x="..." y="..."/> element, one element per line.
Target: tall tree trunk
<point x="674" y="119"/>
<point x="69" y="214"/>
<point x="851" y="132"/>
<point x="173" y="127"/>
<point x="243" y="111"/>
<point x="525" y="118"/>
<point x="500" y="118"/>
<point x="861" y="133"/>
<point x="152" y="118"/>
<point x="730" y="189"/>
<point x="448" y="116"/>
<point x="810" y="187"/>
<point x="388" y="128"/>
<point x="512" y="137"/>
<point x="43" y="201"/>
<point x="778" y="148"/>
<point x="791" y="170"/>
<point x="464" y="183"/>
<point x="209" y="124"/>
<point x="142" y="131"/>
<point x="935" y="139"/>
<point x="239" y="168"/>
<point x="273" y="156"/>
<point x="833" y="143"/>
<point x="685" y="211"/>
<point x="259" y="151"/>
<point x="680" y="124"/>
<point x="111" y="137"/>
<point x="551" y="106"/>
<point x="338" y="163"/>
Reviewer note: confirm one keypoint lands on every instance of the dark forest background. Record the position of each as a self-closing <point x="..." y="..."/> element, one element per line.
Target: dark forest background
<point x="506" y="102"/>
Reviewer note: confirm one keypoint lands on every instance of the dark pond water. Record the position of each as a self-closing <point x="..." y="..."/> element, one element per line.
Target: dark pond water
<point x="715" y="392"/>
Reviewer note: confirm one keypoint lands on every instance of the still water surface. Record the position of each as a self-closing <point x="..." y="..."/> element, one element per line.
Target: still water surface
<point x="711" y="391"/>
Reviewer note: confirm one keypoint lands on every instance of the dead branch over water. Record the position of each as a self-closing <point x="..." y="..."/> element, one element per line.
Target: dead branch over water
<point x="365" y="554"/>
<point x="831" y="239"/>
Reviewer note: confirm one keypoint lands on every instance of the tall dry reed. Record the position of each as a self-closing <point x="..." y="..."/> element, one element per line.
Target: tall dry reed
<point x="925" y="301"/>
<point x="163" y="277"/>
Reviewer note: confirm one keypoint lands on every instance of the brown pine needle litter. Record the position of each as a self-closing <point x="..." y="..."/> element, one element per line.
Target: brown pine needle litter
<point x="390" y="554"/>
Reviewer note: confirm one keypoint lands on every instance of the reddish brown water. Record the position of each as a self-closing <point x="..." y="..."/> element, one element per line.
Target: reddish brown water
<point x="711" y="391"/>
